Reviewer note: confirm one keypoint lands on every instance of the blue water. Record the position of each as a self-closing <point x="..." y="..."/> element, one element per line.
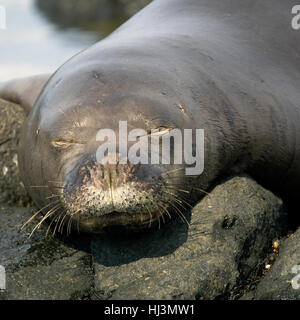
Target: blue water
<point x="31" y="44"/>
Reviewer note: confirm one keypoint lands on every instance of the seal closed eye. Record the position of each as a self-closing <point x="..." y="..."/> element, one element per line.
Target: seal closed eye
<point x="228" y="67"/>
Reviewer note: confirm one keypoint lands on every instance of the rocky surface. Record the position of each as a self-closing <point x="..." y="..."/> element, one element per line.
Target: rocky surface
<point x="282" y="282"/>
<point x="230" y="233"/>
<point x="92" y="14"/>
<point x="221" y="254"/>
<point x="40" y="267"/>
<point x="12" y="191"/>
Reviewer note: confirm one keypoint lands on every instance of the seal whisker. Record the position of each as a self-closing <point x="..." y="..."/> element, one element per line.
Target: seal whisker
<point x="75" y="214"/>
<point x="150" y="215"/>
<point x="53" y="196"/>
<point x="158" y="216"/>
<point x="78" y="229"/>
<point x="36" y="186"/>
<point x="162" y="215"/>
<point x="179" y="202"/>
<point x="56" y="187"/>
<point x="181" y="190"/>
<point x="183" y="177"/>
<point x="201" y="190"/>
<point x="165" y="210"/>
<point x="180" y="214"/>
<point x="53" y="181"/>
<point x="36" y="213"/>
<point x="188" y="186"/>
<point x="69" y="225"/>
<point x="57" y="221"/>
<point x="49" y="213"/>
<point x="53" y="220"/>
<point x="60" y="230"/>
<point x="179" y="199"/>
<point x="170" y="171"/>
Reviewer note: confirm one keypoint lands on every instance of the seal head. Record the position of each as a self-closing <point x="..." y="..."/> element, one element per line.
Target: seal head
<point x="59" y="153"/>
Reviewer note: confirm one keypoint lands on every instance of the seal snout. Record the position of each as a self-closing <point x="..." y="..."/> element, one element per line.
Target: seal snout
<point x="113" y="194"/>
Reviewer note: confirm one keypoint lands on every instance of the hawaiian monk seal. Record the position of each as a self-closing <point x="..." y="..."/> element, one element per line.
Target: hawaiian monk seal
<point x="229" y="67"/>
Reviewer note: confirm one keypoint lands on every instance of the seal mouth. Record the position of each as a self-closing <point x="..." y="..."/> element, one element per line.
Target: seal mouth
<point x="120" y="219"/>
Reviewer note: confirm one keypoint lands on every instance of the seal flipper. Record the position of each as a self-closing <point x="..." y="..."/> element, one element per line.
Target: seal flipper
<point x="24" y="91"/>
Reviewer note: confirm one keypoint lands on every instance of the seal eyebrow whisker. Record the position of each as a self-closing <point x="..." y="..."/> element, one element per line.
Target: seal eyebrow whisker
<point x="60" y="143"/>
<point x="157" y="118"/>
<point x="179" y="105"/>
<point x="162" y="131"/>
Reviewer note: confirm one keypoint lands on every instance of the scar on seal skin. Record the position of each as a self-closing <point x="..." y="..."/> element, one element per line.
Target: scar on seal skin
<point x="229" y="67"/>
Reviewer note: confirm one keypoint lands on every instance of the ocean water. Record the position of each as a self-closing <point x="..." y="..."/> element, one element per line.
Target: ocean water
<point x="31" y="44"/>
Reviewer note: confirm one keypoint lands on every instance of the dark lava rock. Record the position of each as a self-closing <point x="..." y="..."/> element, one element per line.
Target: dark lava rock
<point x="230" y="233"/>
<point x="282" y="282"/>
<point x="12" y="191"/>
<point x="43" y="268"/>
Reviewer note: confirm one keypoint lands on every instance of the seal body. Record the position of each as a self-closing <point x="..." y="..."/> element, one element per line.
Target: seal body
<point x="231" y="68"/>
